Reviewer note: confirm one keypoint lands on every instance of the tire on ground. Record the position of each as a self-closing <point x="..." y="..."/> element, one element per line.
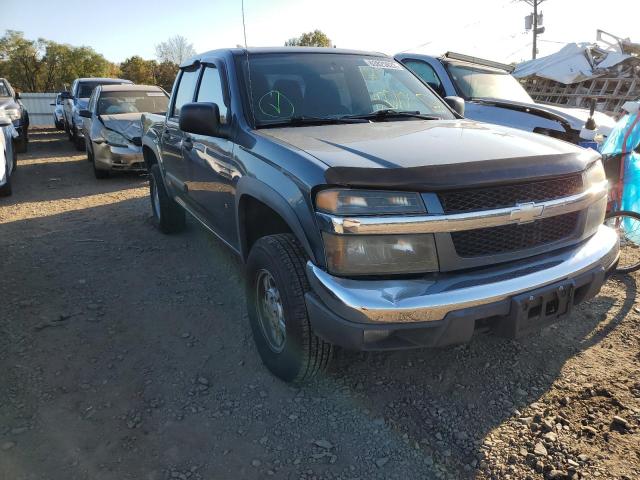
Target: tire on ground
<point x="304" y="355"/>
<point x="168" y="216"/>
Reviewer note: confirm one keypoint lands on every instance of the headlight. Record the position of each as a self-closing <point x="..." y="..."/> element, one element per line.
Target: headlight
<point x="12" y="113"/>
<point x="113" y="138"/>
<point x="595" y="176"/>
<point x="380" y="254"/>
<point x="368" y="202"/>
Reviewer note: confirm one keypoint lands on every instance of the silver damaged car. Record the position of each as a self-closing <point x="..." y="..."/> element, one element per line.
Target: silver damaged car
<point x="112" y="125"/>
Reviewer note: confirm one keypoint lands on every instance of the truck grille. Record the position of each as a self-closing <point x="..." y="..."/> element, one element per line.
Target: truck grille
<point x="512" y="238"/>
<point x="505" y="196"/>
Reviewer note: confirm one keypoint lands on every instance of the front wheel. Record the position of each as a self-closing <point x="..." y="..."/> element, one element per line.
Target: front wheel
<point x="275" y="287"/>
<point x="627" y="224"/>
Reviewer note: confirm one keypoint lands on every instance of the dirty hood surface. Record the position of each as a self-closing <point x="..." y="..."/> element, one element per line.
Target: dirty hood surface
<point x="432" y="154"/>
<point x="127" y="124"/>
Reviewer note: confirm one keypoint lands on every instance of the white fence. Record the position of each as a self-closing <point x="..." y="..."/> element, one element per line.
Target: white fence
<point x="39" y="107"/>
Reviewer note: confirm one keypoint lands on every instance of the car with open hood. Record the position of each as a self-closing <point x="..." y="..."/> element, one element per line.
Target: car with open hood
<point x="12" y="107"/>
<point x="112" y="128"/>
<point x="77" y="99"/>
<point x="368" y="213"/>
<point x="493" y="95"/>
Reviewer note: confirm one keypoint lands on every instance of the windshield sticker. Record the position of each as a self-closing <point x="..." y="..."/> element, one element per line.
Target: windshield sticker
<point x="275" y="104"/>
<point x="155" y="94"/>
<point x="387" y="64"/>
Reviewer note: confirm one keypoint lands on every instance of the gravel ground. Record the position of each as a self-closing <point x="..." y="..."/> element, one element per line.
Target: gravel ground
<point x="125" y="354"/>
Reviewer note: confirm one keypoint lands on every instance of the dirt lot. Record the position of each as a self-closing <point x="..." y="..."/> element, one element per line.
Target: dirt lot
<point x="125" y="354"/>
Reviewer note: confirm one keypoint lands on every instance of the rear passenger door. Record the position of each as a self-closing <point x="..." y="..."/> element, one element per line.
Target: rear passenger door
<point x="176" y="164"/>
<point x="213" y="170"/>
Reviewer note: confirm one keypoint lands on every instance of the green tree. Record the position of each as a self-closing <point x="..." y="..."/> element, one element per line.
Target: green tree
<point x="165" y="74"/>
<point x="43" y="65"/>
<point x="138" y="70"/>
<point x="317" y="38"/>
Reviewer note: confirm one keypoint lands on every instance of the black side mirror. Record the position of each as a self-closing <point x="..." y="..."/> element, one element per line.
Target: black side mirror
<point x="201" y="119"/>
<point x="17" y="96"/>
<point x="66" y="95"/>
<point x="85" y="113"/>
<point x="456" y="103"/>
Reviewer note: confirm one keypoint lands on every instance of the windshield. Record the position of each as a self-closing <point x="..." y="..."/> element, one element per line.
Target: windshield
<point x="476" y="82"/>
<point x="85" y="89"/>
<point x="114" y="103"/>
<point x="4" y="91"/>
<point x="318" y="85"/>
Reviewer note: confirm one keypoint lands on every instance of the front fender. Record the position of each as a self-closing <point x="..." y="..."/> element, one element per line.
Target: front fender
<point x="293" y="210"/>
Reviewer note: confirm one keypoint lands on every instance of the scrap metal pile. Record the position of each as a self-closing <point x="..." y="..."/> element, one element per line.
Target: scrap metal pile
<point x="608" y="71"/>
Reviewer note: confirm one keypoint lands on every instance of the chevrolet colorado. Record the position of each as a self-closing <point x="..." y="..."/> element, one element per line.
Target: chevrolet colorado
<point x="368" y="213"/>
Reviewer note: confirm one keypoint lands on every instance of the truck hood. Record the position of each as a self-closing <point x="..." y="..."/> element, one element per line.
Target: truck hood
<point x="432" y="154"/>
<point x="127" y="124"/>
<point x="574" y="117"/>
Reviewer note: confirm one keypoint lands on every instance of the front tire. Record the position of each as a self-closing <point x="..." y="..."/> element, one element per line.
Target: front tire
<point x="168" y="216"/>
<point x="275" y="287"/>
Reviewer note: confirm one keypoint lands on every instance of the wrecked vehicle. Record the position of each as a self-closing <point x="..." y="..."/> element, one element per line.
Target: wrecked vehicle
<point x="112" y="126"/>
<point x="368" y="213"/>
<point x="12" y="107"/>
<point x="77" y="99"/>
<point x="8" y="154"/>
<point x="493" y="95"/>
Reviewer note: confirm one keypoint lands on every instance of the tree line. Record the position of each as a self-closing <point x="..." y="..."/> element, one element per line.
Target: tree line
<point x="46" y="66"/>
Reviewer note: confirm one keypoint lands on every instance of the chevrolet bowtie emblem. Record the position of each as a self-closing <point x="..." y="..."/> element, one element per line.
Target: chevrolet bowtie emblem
<point x="526" y="212"/>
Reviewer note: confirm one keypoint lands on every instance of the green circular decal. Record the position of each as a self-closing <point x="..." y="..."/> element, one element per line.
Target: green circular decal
<point x="275" y="104"/>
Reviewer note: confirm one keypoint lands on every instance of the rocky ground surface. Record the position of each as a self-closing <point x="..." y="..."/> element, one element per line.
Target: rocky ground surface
<point x="125" y="354"/>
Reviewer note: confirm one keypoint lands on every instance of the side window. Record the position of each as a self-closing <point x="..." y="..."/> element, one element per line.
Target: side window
<point x="185" y="91"/>
<point x="211" y="91"/>
<point x="427" y="74"/>
<point x="92" y="101"/>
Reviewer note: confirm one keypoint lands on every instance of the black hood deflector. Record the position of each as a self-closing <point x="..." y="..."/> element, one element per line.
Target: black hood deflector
<point x="460" y="175"/>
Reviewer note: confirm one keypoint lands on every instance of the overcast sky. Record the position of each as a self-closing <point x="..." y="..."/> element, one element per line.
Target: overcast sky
<point x="490" y="28"/>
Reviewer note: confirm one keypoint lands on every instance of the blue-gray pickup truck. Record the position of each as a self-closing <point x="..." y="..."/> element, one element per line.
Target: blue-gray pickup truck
<point x="370" y="214"/>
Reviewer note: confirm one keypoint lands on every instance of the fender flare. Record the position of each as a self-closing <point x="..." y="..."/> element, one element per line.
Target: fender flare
<point x="251" y="187"/>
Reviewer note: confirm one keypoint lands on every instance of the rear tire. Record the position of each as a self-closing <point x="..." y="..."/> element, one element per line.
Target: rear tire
<point x="80" y="143"/>
<point x="281" y="328"/>
<point x="168" y="216"/>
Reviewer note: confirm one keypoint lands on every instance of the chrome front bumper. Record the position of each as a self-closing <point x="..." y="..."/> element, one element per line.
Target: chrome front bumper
<point x="434" y="297"/>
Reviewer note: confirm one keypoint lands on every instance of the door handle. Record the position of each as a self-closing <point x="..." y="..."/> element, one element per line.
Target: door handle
<point x="187" y="143"/>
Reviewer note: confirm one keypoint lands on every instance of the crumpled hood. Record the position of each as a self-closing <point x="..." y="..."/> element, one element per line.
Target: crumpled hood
<point x="127" y="124"/>
<point x="8" y="102"/>
<point x="575" y="117"/>
<point x="432" y="153"/>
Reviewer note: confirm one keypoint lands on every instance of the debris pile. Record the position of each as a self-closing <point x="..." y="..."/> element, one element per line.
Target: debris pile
<point x="608" y="71"/>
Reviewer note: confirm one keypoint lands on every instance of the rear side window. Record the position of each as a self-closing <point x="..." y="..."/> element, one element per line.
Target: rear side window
<point x="427" y="74"/>
<point x="211" y="91"/>
<point x="186" y="89"/>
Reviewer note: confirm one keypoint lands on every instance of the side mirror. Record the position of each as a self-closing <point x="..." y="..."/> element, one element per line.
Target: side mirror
<point x="201" y="119"/>
<point x="85" y="113"/>
<point x="17" y="95"/>
<point x="456" y="103"/>
<point x="66" y="95"/>
<point x="52" y="104"/>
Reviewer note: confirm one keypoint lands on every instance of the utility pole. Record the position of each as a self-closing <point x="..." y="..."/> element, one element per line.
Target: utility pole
<point x="533" y="22"/>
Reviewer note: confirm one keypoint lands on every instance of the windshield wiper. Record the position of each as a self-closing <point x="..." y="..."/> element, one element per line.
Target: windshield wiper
<point x="392" y="113"/>
<point x="306" y="120"/>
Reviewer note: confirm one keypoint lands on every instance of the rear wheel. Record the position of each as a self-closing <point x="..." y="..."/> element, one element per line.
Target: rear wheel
<point x="275" y="287"/>
<point x="168" y="216"/>
<point x="627" y="224"/>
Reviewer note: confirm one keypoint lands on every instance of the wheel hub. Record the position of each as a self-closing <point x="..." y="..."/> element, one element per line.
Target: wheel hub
<point x="270" y="311"/>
